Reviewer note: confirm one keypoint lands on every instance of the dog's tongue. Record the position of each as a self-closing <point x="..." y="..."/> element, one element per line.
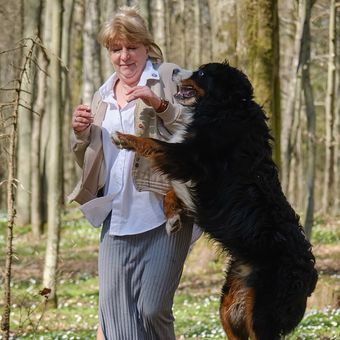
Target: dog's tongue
<point x="186" y="92"/>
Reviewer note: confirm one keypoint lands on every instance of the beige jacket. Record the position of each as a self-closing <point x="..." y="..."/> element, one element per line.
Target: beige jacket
<point x="88" y="150"/>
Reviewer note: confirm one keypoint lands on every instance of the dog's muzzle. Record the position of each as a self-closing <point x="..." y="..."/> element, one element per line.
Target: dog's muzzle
<point x="185" y="92"/>
<point x="179" y="75"/>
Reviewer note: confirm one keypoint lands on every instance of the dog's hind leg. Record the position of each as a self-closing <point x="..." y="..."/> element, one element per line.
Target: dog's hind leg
<point x="236" y="308"/>
<point x="172" y="209"/>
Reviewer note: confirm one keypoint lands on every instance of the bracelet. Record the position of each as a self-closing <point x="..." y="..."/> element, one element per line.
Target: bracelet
<point x="163" y="106"/>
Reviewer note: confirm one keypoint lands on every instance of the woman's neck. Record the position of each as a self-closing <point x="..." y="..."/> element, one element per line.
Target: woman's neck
<point x="119" y="89"/>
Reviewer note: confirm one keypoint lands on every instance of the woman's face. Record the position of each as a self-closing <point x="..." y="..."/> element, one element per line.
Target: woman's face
<point x="128" y="60"/>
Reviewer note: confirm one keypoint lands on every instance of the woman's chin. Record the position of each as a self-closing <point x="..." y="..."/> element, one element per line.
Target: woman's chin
<point x="130" y="76"/>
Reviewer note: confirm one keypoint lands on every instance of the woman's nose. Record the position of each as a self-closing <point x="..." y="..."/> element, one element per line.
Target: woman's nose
<point x="125" y="54"/>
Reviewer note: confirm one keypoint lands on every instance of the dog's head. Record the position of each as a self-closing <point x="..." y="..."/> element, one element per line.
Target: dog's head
<point x="218" y="81"/>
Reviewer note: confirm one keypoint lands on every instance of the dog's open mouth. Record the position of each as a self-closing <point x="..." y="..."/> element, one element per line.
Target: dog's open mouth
<point x="186" y="95"/>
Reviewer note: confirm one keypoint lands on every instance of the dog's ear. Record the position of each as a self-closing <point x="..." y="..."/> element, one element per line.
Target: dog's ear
<point x="242" y="87"/>
<point x="216" y="89"/>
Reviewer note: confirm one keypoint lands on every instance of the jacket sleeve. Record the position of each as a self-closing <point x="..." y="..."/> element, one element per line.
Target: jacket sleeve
<point x="174" y="116"/>
<point x="81" y="140"/>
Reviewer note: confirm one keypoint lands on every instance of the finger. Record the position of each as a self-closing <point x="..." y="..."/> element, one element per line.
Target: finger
<point x="83" y="113"/>
<point x="86" y="115"/>
<point x="83" y="120"/>
<point x="83" y="107"/>
<point x="132" y="89"/>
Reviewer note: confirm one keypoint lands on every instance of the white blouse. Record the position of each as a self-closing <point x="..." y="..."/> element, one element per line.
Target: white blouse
<point x="132" y="212"/>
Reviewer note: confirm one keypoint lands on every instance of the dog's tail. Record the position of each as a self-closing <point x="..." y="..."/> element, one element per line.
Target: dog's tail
<point x="295" y="283"/>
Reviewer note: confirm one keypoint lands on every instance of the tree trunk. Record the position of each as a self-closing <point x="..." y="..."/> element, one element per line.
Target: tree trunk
<point x="55" y="151"/>
<point x="157" y="21"/>
<point x="91" y="52"/>
<point x="36" y="173"/>
<point x="293" y="90"/>
<point x="107" y="10"/>
<point x="295" y="159"/>
<point x="336" y="206"/>
<point x="68" y="159"/>
<point x="175" y="29"/>
<point x="258" y="55"/>
<point x="31" y="10"/>
<point x="329" y="112"/>
<point x="205" y="32"/>
<point x="191" y="17"/>
<point x="223" y="20"/>
<point x="311" y="122"/>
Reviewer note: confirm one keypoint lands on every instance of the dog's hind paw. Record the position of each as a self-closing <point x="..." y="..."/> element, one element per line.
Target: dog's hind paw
<point x="173" y="224"/>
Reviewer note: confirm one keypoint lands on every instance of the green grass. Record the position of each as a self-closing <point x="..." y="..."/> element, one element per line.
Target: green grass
<point x="326" y="231"/>
<point x="195" y="306"/>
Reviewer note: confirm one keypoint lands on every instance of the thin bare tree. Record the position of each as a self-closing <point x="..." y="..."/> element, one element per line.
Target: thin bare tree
<point x="36" y="173"/>
<point x="39" y="104"/>
<point x="330" y="112"/>
<point x="55" y="151"/>
<point x="311" y="121"/>
<point x="293" y="90"/>
<point x="91" y="52"/>
<point x="31" y="10"/>
<point x="11" y="179"/>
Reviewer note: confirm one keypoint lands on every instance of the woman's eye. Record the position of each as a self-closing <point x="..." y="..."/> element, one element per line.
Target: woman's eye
<point x="116" y="50"/>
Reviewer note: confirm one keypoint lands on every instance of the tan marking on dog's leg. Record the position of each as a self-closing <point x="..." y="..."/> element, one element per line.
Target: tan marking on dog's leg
<point x="171" y="204"/>
<point x="249" y="306"/>
<point x="231" y="314"/>
<point x="172" y="209"/>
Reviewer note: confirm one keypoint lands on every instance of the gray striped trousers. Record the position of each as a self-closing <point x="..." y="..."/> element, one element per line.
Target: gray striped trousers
<point x="138" y="277"/>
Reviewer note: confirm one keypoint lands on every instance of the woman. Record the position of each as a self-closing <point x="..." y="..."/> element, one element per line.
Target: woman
<point x="139" y="264"/>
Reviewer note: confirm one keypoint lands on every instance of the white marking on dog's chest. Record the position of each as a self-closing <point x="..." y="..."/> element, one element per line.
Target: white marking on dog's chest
<point x="187" y="118"/>
<point x="182" y="191"/>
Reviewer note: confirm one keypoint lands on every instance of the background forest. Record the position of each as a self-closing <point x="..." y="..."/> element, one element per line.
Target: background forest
<point x="50" y="61"/>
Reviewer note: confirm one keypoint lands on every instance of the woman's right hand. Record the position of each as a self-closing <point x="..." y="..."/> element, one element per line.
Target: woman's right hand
<point x="82" y="118"/>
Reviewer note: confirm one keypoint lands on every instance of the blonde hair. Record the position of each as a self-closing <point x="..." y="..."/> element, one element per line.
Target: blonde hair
<point x="127" y="25"/>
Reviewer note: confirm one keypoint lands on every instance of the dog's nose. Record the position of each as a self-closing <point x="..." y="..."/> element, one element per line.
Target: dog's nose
<point x="175" y="75"/>
<point x="175" y="72"/>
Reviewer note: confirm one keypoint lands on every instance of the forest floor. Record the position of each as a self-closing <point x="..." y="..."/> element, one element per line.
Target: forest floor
<point x="196" y="301"/>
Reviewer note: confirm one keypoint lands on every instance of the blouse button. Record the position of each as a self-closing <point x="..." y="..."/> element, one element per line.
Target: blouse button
<point x="141" y="126"/>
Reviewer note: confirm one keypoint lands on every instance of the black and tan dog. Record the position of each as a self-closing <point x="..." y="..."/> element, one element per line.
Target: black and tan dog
<point x="222" y="171"/>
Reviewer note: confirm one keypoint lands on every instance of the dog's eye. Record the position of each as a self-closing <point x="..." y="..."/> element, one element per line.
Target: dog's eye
<point x="201" y="73"/>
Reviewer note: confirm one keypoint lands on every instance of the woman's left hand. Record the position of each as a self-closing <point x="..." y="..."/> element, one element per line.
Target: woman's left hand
<point x="144" y="93"/>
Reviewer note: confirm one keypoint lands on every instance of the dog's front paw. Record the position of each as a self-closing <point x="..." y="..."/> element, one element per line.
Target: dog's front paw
<point x="173" y="224"/>
<point x="120" y="140"/>
<point x="116" y="140"/>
